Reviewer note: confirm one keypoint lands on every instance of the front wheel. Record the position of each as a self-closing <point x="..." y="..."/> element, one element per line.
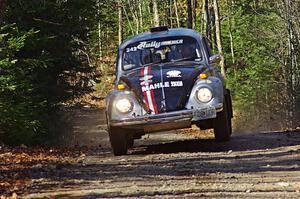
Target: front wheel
<point x="222" y="124"/>
<point x="118" y="140"/>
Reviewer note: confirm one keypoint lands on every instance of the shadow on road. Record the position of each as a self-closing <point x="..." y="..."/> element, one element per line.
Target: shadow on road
<point x="246" y="142"/>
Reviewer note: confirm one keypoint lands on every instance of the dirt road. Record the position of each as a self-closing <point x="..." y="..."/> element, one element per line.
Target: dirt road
<point x="169" y="165"/>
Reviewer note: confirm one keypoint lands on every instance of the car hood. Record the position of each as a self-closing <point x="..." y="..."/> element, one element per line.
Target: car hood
<point x="162" y="88"/>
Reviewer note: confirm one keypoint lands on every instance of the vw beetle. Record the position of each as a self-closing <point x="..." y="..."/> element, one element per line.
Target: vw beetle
<point x="166" y="80"/>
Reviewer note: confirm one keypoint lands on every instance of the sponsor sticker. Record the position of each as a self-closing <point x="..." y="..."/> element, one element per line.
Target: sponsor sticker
<point x="158" y="85"/>
<point x="173" y="73"/>
<point x="153" y="44"/>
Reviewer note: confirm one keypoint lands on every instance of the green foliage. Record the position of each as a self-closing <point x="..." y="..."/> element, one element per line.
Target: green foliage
<point x="19" y="111"/>
<point x="44" y="64"/>
<point x="256" y="78"/>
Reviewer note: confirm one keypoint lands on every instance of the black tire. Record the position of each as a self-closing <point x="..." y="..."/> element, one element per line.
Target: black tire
<point x="222" y="124"/>
<point x="229" y="102"/>
<point x="229" y="110"/>
<point x="130" y="142"/>
<point x="118" y="140"/>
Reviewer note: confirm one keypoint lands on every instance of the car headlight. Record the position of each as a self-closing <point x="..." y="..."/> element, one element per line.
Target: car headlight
<point x="124" y="105"/>
<point x="204" y="95"/>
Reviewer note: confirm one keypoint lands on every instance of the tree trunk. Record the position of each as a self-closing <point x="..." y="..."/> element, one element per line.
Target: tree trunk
<point x="156" y="15"/>
<point x="190" y="14"/>
<point x="218" y="36"/>
<point x="176" y="13"/>
<point x="230" y="22"/>
<point x="141" y="15"/>
<point x="171" y="13"/>
<point x="165" y="17"/>
<point x="230" y="33"/>
<point x="207" y="21"/>
<point x="99" y="31"/>
<point x="213" y="31"/>
<point x="120" y="22"/>
<point x="291" y="63"/>
<point x="149" y="12"/>
<point x="194" y="6"/>
<point x="203" y="18"/>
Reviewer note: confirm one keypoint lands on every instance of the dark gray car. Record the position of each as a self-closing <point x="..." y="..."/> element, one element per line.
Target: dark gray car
<point x="165" y="80"/>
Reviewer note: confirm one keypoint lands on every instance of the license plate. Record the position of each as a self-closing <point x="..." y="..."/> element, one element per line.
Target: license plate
<point x="206" y="113"/>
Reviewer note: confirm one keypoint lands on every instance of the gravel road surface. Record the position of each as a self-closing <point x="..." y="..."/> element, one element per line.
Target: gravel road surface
<point x="174" y="165"/>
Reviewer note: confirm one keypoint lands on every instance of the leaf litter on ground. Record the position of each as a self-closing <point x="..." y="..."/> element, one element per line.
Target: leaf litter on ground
<point x="18" y="164"/>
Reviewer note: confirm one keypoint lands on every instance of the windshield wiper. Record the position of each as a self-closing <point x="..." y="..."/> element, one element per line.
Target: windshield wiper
<point x="183" y="59"/>
<point x="154" y="63"/>
<point x="173" y="61"/>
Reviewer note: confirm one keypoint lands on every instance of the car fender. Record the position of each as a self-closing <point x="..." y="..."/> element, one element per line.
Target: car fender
<point x="215" y="84"/>
<point x="113" y="114"/>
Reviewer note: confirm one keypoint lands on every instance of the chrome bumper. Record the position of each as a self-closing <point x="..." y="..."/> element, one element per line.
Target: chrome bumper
<point x="163" y="121"/>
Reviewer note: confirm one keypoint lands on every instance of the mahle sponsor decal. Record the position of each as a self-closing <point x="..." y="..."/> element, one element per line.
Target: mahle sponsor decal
<point x="162" y="85"/>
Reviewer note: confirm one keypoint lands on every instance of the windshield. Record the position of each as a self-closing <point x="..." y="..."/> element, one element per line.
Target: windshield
<point x="164" y="50"/>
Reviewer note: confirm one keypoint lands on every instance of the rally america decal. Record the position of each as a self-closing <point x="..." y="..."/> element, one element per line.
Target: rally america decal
<point x="153" y="44"/>
<point x="148" y="87"/>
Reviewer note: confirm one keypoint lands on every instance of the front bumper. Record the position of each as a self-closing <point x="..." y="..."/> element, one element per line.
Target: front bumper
<point x="167" y="121"/>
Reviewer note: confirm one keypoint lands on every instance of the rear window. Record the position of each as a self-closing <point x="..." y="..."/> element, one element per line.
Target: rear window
<point x="164" y="50"/>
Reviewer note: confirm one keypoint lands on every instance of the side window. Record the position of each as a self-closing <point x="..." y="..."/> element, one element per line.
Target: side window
<point x="206" y="46"/>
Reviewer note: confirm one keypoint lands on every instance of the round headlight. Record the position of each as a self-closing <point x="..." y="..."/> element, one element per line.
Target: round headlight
<point x="124" y="105"/>
<point x="204" y="95"/>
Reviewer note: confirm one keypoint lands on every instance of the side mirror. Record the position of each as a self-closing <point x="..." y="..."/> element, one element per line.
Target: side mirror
<point x="215" y="59"/>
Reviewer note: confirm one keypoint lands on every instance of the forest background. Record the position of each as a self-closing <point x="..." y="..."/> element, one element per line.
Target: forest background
<point x="60" y="53"/>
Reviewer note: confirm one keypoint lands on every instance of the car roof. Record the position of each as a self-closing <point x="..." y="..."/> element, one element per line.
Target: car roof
<point x="160" y="34"/>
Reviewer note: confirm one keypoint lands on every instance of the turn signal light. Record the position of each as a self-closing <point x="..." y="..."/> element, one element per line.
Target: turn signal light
<point x="203" y="76"/>
<point x="121" y="86"/>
